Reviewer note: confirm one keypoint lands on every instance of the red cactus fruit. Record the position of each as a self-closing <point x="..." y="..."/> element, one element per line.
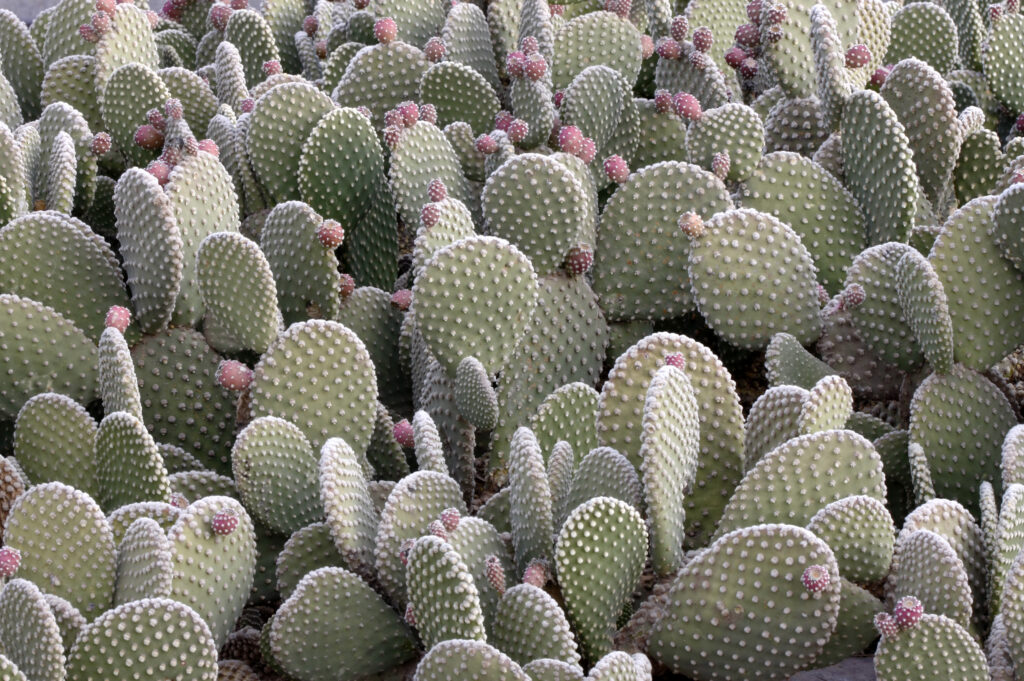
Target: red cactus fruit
<point x="330" y="234"/>
<point x="361" y="4"/>
<point x="191" y="146"/>
<point x="518" y="129"/>
<point x="224" y="522"/>
<point x="160" y="170"/>
<point x="346" y="285"/>
<point x="680" y="28"/>
<point x="536" y="573"/>
<point x="667" y="48"/>
<point x="557" y="99"/>
<point x="857" y="56"/>
<point x="579" y="259"/>
<point x="853" y="295"/>
<point x="437" y="528"/>
<point x="404" y="434"/>
<point x="410" y="613"/>
<point x="886" y="625"/>
<point x="535" y="67"/>
<point x="219" y="15"/>
<point x="908" y="612"/>
<point x="616" y="168"/>
<point x="823" y="296"/>
<point x="101" y="23"/>
<point x="557" y="10"/>
<point x="450" y="518"/>
<point x="691" y="225"/>
<point x="687" y="106"/>
<point x="1019" y="124"/>
<point x="1018" y="177"/>
<point x="529" y="45"/>
<point x="118" y="318"/>
<point x="247" y="105"/>
<point x="734" y="56"/>
<point x="392" y="136"/>
<point x="321" y="49"/>
<point x="588" y="151"/>
<point x="570" y="139"/>
<point x="10" y="560"/>
<point x="676" y="360"/>
<point x="107" y="6"/>
<point x="233" y="375"/>
<point x="311" y="25"/>
<point x="272" y="68"/>
<point x="773" y="33"/>
<point x="747" y="35"/>
<point x="178" y="500"/>
<point x="748" y="69"/>
<point x="776" y="13"/>
<point x="646" y="46"/>
<point x="515" y="64"/>
<point x="428" y="113"/>
<point x="100" y="144"/>
<point x="410" y="113"/>
<point x="620" y="8"/>
<point x="702" y="39"/>
<point x="385" y="30"/>
<point x="365" y="111"/>
<point x="401" y="299"/>
<point x="210" y="147"/>
<point x="149" y="137"/>
<point x="754" y="11"/>
<point x="700" y="60"/>
<point x="436" y="191"/>
<point x="434" y="50"/>
<point x="394" y="117"/>
<point x="485" y="144"/>
<point x="720" y="164"/>
<point x="495" y="573"/>
<point x="153" y="18"/>
<point x="502" y="120"/>
<point x="816" y="578"/>
<point x="88" y="33"/>
<point x="662" y="101"/>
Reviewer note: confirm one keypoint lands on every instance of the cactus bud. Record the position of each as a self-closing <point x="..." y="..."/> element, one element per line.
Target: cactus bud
<point x="676" y="360"/>
<point x="311" y="25"/>
<point x="857" y="56"/>
<point x="404" y="434"/>
<point x="687" y="106"/>
<point x="588" y="150"/>
<point x="485" y="144"/>
<point x="437" y="528"/>
<point x="401" y="299"/>
<point x="747" y="35"/>
<point x="346" y="285"/>
<point x="734" y="56"/>
<point x="680" y="28"/>
<point x="272" y="68"/>
<point x="720" y="164"/>
<point x="495" y="574"/>
<point x="436" y="191"/>
<point x="691" y="225"/>
<point x="646" y="46"/>
<point x="428" y="113"/>
<point x="853" y="295"/>
<point x="579" y="259"/>
<point x="434" y="50"/>
<point x="88" y="33"/>
<point x="536" y="573"/>
<point x="662" y="101"/>
<point x="178" y="500"/>
<point x="160" y="170"/>
<point x="748" y="69"/>
<point x="330" y="234"/>
<point x="620" y="8"/>
<point x="702" y="39"/>
<point x="535" y="67"/>
<point x="385" y="30"/>
<point x="908" y="612"/>
<point x="502" y="120"/>
<point x="886" y="625"/>
<point x="518" y="129"/>
<point x="410" y="614"/>
<point x="118" y="318"/>
<point x="10" y="560"/>
<point x="247" y="105"/>
<point x="392" y="136"/>
<point x="515" y="64"/>
<point x="233" y="375"/>
<point x="100" y="23"/>
<point x="224" y="522"/>
<point x="100" y="144"/>
<point x="667" y="48"/>
<point x="149" y="137"/>
<point x="529" y="45"/>
<point x="219" y="15"/>
<point x="450" y="518"/>
<point x="816" y="578"/>
<point x="410" y="113"/>
<point x="616" y="169"/>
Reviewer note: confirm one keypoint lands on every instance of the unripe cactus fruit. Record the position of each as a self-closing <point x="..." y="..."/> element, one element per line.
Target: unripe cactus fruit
<point x="233" y="375"/>
<point x="321" y="49"/>
<point x="495" y="574"/>
<point x="394" y="118"/>
<point x="754" y="11"/>
<point x="403" y="433"/>
<point x="879" y="76"/>
<point x="330" y="234"/>
<point x="646" y="46"/>
<point x="700" y="60"/>
<point x="886" y="625"/>
<point x="748" y="69"/>
<point x="430" y="214"/>
<point x="557" y="10"/>
<point x="149" y="137"/>
<point x="272" y="67"/>
<point x="907" y="612"/>
<point x="734" y="56"/>
<point x="410" y="113"/>
<point x="100" y="144"/>
<point x="434" y="50"/>
<point x="237" y="4"/>
<point x="853" y="295"/>
<point x="502" y="120"/>
<point x="536" y="573"/>
<point x="702" y="39"/>
<point x="247" y="105"/>
<point x="346" y="285"/>
<point x="385" y="30"/>
<point x="815" y="578"/>
<point x="530" y="45"/>
<point x="535" y="67"/>
<point x="10" y="559"/>
<point x="156" y="119"/>
<point x="361" y="4"/>
<point x="107" y="6"/>
<point x="570" y="139"/>
<point x="720" y="164"/>
<point x="677" y="360"/>
<point x="224" y="522"/>
<point x="680" y="28"/>
<point x="773" y="34"/>
<point x="687" y="106"/>
<point x="858" y="56"/>
<point x="588" y="150"/>
<point x="485" y="144"/>
<point x="515" y="64"/>
<point x="392" y="136"/>
<point x="210" y="147"/>
<point x="437" y="528"/>
<point x="219" y="15"/>
<point x="310" y="25"/>
<point x="518" y="130"/>
<point x="691" y="225"/>
<point x="118" y="318"/>
<point x="101" y="22"/>
<point x="450" y="518"/>
<point x="619" y="8"/>
<point x="667" y="48"/>
<point x="160" y="170"/>
<point x="616" y="169"/>
<point x="436" y="191"/>
<point x="428" y="113"/>
<point x="776" y="14"/>
<point x="579" y="260"/>
<point x="401" y="299"/>
<point x="662" y="101"/>
<point x="1019" y="124"/>
<point x="747" y="35"/>
<point x="178" y="500"/>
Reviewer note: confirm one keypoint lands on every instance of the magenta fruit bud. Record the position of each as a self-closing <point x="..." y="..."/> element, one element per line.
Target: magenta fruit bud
<point x="401" y="299"/>
<point x="404" y="434"/>
<point x="10" y="561"/>
<point x="816" y="578"/>
<point x="233" y="375"/>
<point x="330" y="234"/>
<point x="385" y="30"/>
<point x="687" y="106"/>
<point x="616" y="169"/>
<point x="579" y="259"/>
<point x="224" y="522"/>
<point x="118" y="318"/>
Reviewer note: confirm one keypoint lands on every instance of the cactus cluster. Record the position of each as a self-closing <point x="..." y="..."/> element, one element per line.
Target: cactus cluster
<point x="613" y="340"/>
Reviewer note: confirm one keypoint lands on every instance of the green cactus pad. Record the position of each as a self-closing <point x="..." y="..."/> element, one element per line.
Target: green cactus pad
<point x="31" y="637"/>
<point x="68" y="619"/>
<point x="249" y="32"/>
<point x="599" y="555"/>
<point x="306" y="550"/>
<point x="923" y="302"/>
<point x="987" y="327"/>
<point x="925" y="31"/>
<point x="467" y="40"/>
<point x="731" y="128"/>
<point x="553" y="670"/>
<point x="476" y="541"/>
<point x="795" y="125"/>
<point x="1007" y="228"/>
<point x="603" y="472"/>
<point x="474" y="395"/>
<point x="860" y="532"/>
<point x="1003" y="49"/>
<point x="735" y="303"/>
<point x="414" y="503"/>
<point x="669" y="452"/>
<point x="113" y="647"/>
<point x="442" y="593"/>
<point x="936" y="646"/>
<point x="531" y="506"/>
<point x="721" y="445"/>
<point x="143" y="563"/>
<point x="471" y="659"/>
<point x="131" y="91"/>
<point x="202" y="420"/>
<point x="828" y="406"/>
<point x="568" y="414"/>
<point x="129" y="40"/>
<point x="332" y="604"/>
<point x="710" y="86"/>
<point x="787" y="362"/>
<point x="926" y="566"/>
<point x="459" y="93"/>
<point x="575" y="48"/>
<point x="855" y="629"/>
<point x="345" y="408"/>
<point x="369" y="313"/>
<point x="802" y="194"/>
<point x="287" y="112"/>
<point x="879" y="320"/>
<point x="58" y="356"/>
<point x="940" y="409"/>
<point x="129" y="467"/>
<point x="715" y="629"/>
<point x="121" y="519"/>
<point x="119" y="388"/>
<point x="66" y="545"/>
<point x="202" y="559"/>
<point x="924" y="105"/>
<point x="454" y="223"/>
<point x="275" y="469"/>
<point x="399" y="65"/>
<point x="55" y="440"/>
<point x="23" y="65"/>
<point x="423" y="155"/>
<point x="796" y="480"/>
<point x="879" y="167"/>
<point x="530" y="625"/>
<point x="1007" y="541"/>
<point x="664" y="137"/>
<point x="151" y="245"/>
<point x="978" y="165"/>
<point x="351" y="516"/>
<point x="641" y="256"/>
<point x="238" y="289"/>
<point x="772" y="420"/>
<point x="59" y="181"/>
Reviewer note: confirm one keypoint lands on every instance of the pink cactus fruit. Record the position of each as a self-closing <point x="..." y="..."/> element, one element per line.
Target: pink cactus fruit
<point x="616" y="168"/>
<point x="691" y="225"/>
<point x="720" y="164"/>
<point x="857" y="56"/>
<point x="437" y="528"/>
<point x="702" y="39"/>
<point x="233" y="375"/>
<point x="679" y="29"/>
<point x="886" y="624"/>
<point x="485" y="144"/>
<point x="401" y="299"/>
<point x="579" y="259"/>
<point x="434" y="50"/>
<point x="385" y="30"/>
<point x="224" y="522"/>
<point x="118" y="317"/>
<point x="450" y="518"/>
<point x="668" y="48"/>
<point x="908" y="612"/>
<point x="330" y="234"/>
<point x="816" y="578"/>
<point x="10" y="560"/>
<point x="677" y="360"/>
<point x="687" y="106"/>
<point x="588" y="150"/>
<point x="210" y="147"/>
<point x="100" y="144"/>
<point x="404" y="434"/>
<point x="346" y="285"/>
<point x="436" y="191"/>
<point x="495" y="573"/>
